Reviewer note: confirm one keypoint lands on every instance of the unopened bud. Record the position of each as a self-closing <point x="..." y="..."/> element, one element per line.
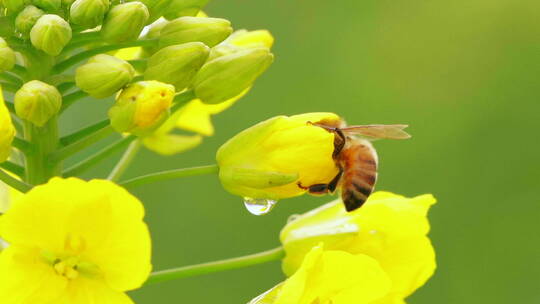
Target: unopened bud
<point x="48" y="5"/>
<point x="37" y="102"/>
<point x="50" y="34"/>
<point x="141" y="107"/>
<point x="209" y="31"/>
<point x="125" y="22"/>
<point x="88" y="13"/>
<point x="227" y="76"/>
<point x="7" y="56"/>
<point x="27" y="19"/>
<point x="177" y="64"/>
<point x="103" y="75"/>
<point x="243" y="39"/>
<point x="13" y="6"/>
<point x="181" y="8"/>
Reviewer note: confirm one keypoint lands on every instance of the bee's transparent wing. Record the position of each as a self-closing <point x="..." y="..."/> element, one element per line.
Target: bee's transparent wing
<point x="378" y="131"/>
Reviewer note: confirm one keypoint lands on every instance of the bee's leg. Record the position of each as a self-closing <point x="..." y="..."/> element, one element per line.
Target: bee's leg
<point x="334" y="182"/>
<point x="315" y="189"/>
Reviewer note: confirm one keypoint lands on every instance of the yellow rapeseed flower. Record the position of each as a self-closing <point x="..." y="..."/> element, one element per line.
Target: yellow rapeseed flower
<point x="74" y="242"/>
<point x="331" y="277"/>
<point x="390" y="228"/>
<point x="7" y="130"/>
<point x="268" y="160"/>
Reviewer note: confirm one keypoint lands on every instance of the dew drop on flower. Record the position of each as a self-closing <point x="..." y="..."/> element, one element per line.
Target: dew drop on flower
<point x="259" y="206"/>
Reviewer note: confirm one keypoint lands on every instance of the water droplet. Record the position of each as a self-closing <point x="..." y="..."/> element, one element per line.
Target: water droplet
<point x="259" y="206"/>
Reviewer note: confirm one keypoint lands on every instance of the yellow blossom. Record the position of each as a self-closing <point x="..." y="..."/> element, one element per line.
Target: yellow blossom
<point x="390" y="228"/>
<point x="195" y="117"/>
<point x="331" y="277"/>
<point x="74" y="242"/>
<point x="7" y="130"/>
<point x="270" y="159"/>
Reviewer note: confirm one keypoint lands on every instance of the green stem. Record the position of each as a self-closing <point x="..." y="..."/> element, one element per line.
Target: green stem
<point x="170" y="174"/>
<point x="11" y="79"/>
<point x="66" y="64"/>
<point x="125" y="161"/>
<point x="14" y="183"/>
<point x="9" y="87"/>
<point x="218" y="266"/>
<point x="13" y="168"/>
<point x="86" y="164"/>
<point x="69" y="99"/>
<point x="86" y="131"/>
<point x="20" y="71"/>
<point x="77" y="146"/>
<point x="181" y="99"/>
<point x="44" y="140"/>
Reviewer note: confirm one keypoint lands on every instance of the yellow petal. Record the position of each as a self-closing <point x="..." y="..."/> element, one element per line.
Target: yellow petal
<point x="86" y="291"/>
<point x="170" y="144"/>
<point x="131" y="53"/>
<point x="7" y="130"/>
<point x="25" y="278"/>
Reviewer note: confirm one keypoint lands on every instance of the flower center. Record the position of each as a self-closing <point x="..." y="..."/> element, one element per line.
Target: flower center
<point x="67" y="268"/>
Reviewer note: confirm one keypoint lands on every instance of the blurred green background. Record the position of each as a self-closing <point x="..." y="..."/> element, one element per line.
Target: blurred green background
<point x="465" y="74"/>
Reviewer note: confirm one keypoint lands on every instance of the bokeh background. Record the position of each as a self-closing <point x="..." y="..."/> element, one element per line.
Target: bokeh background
<point x="465" y="74"/>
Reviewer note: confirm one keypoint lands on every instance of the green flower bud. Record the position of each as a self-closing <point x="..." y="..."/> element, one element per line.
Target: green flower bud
<point x="37" y="102"/>
<point x="141" y="107"/>
<point x="227" y="76"/>
<point x="125" y="22"/>
<point x="154" y="31"/>
<point x="13" y="6"/>
<point x="88" y="13"/>
<point x="177" y="64"/>
<point x="181" y="8"/>
<point x="6" y="26"/>
<point x="209" y="31"/>
<point x="103" y="75"/>
<point x="7" y="56"/>
<point x="50" y="34"/>
<point x="48" y="5"/>
<point x="27" y="19"/>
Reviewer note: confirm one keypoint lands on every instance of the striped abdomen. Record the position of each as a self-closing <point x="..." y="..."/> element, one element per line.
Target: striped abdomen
<point x="359" y="162"/>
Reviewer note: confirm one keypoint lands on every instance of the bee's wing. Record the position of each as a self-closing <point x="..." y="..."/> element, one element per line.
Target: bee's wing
<point x="378" y="131"/>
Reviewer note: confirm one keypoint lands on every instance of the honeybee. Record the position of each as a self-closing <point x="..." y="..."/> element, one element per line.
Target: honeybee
<point x="356" y="160"/>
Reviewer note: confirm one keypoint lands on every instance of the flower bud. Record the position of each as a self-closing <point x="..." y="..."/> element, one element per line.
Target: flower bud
<point x="181" y="8"/>
<point x="37" y="102"/>
<point x="227" y="76"/>
<point x="50" y="34"/>
<point x="209" y="31"/>
<point x="103" y="75"/>
<point x="7" y="56"/>
<point x="177" y="64"/>
<point x="125" y="22"/>
<point x="13" y="6"/>
<point x="271" y="159"/>
<point x="243" y="39"/>
<point x="48" y="5"/>
<point x="141" y="107"/>
<point x="27" y="19"/>
<point x="88" y="13"/>
<point x="7" y="130"/>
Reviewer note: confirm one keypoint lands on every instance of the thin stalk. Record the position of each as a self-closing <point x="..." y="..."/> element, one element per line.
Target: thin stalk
<point x="88" y="163"/>
<point x="13" y="168"/>
<point x="20" y="71"/>
<point x="22" y="145"/>
<point x="170" y="174"/>
<point x="217" y="266"/>
<point x="69" y="99"/>
<point x="14" y="183"/>
<point x="181" y="99"/>
<point x="125" y="161"/>
<point x="77" y="146"/>
<point x="11" y="79"/>
<point x="9" y="87"/>
<point x="66" y="64"/>
<point x="86" y="131"/>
